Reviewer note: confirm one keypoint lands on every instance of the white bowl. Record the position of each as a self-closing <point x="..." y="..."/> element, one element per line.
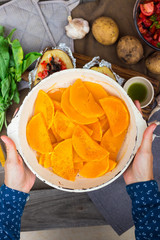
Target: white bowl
<point x="17" y="131"/>
<point x="149" y="87"/>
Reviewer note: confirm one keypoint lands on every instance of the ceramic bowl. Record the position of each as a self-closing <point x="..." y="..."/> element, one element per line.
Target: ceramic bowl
<point x="17" y="131"/>
<point x="147" y="84"/>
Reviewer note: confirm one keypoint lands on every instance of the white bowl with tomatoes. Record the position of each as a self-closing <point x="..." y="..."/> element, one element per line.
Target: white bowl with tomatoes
<point x="146" y="16"/>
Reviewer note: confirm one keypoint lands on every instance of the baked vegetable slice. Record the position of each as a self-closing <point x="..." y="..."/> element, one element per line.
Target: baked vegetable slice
<point x="52" y="61"/>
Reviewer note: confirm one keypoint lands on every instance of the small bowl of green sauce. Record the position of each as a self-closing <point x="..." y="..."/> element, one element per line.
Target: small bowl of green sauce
<point x="139" y="88"/>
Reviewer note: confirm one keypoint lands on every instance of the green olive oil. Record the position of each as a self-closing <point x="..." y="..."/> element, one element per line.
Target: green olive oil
<point x="137" y="91"/>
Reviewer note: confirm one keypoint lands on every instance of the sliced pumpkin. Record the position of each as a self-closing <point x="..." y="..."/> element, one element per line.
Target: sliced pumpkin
<point x="2" y="158"/>
<point x="56" y="94"/>
<point x="78" y="166"/>
<point x="117" y="114"/>
<point x="76" y="157"/>
<point x="95" y="169"/>
<point x="37" y="134"/>
<point x="58" y="138"/>
<point x="104" y="124"/>
<point x="83" y="101"/>
<point x="112" y="165"/>
<point x="86" y="147"/>
<point x="97" y="91"/>
<point x="62" y="160"/>
<point x="112" y="144"/>
<point x="71" y="112"/>
<point x="44" y="105"/>
<point x="63" y="125"/>
<point x="97" y="131"/>
<point x="87" y="129"/>
<point x="57" y="105"/>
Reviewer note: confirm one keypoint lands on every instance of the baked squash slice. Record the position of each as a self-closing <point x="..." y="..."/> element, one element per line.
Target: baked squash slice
<point x="52" y="61"/>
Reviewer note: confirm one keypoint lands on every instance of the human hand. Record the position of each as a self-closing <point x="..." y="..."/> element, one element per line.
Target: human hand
<point x="17" y="175"/>
<point x="141" y="168"/>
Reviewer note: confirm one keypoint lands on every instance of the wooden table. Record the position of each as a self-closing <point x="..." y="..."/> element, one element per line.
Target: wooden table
<point x="50" y="208"/>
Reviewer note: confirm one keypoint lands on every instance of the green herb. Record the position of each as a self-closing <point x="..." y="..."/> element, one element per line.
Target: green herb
<point x="153" y="18"/>
<point x="12" y="64"/>
<point x="158" y="44"/>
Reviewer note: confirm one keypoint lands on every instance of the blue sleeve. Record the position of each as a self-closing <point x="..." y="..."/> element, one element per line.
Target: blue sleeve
<point x="12" y="204"/>
<point x="145" y="209"/>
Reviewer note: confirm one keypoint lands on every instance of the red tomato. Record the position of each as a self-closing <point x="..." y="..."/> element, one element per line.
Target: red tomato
<point x="141" y="29"/>
<point x="147" y="22"/>
<point x="158" y="8"/>
<point x="148" y="37"/>
<point x="153" y="29"/>
<point x="147" y="8"/>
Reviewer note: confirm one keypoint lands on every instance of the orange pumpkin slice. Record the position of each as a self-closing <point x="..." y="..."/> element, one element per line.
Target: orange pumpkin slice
<point x="83" y="101"/>
<point x="112" y="165"/>
<point x="62" y="160"/>
<point x="86" y="147"/>
<point x="112" y="144"/>
<point x="2" y="158"/>
<point x="45" y="106"/>
<point x="56" y="94"/>
<point x="104" y="124"/>
<point x="58" y="138"/>
<point x="63" y="126"/>
<point x="57" y="105"/>
<point x="97" y="131"/>
<point x="71" y="112"/>
<point x="117" y="114"/>
<point x="37" y="134"/>
<point x="78" y="165"/>
<point x="98" y="92"/>
<point x="95" y="169"/>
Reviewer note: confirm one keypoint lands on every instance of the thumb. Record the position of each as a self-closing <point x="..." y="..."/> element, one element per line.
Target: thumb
<point x="147" y="138"/>
<point x="10" y="148"/>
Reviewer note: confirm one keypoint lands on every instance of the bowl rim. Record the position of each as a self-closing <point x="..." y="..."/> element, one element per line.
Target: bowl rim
<point x="129" y="82"/>
<point x="138" y="136"/>
<point x="136" y="5"/>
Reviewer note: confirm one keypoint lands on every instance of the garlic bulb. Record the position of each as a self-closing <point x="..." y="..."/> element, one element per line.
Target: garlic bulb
<point x="77" y="28"/>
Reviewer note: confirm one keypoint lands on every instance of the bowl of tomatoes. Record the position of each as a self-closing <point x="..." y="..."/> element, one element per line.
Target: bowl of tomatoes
<point x="146" y="16"/>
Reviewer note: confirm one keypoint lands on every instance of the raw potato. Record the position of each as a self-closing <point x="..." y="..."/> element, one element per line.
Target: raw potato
<point x="153" y="63"/>
<point x="129" y="50"/>
<point x="105" y="30"/>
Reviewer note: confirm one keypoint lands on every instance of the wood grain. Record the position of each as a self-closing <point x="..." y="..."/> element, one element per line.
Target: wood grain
<point x="55" y="209"/>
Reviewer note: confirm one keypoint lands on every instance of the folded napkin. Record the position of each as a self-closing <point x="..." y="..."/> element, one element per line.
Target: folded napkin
<point x="113" y="201"/>
<point x="38" y="24"/>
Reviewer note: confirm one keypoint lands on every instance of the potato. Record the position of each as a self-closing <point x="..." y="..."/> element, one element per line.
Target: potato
<point x="105" y="30"/>
<point x="129" y="50"/>
<point x="153" y="63"/>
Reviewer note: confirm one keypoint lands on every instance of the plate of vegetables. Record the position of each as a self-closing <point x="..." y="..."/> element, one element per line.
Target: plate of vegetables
<point x="147" y="21"/>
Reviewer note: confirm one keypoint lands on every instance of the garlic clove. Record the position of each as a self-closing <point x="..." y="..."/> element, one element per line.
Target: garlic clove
<point x="77" y="28"/>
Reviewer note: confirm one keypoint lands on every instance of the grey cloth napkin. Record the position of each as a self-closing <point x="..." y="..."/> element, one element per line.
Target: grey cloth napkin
<point x="113" y="201"/>
<point x="38" y="24"/>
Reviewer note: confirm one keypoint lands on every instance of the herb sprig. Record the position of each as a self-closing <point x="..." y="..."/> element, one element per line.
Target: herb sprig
<point x="12" y="64"/>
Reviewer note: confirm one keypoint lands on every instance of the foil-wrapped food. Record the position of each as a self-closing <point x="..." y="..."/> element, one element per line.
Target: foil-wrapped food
<point x="52" y="60"/>
<point x="103" y="67"/>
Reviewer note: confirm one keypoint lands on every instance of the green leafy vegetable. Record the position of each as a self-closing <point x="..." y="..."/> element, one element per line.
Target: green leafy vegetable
<point x="12" y="64"/>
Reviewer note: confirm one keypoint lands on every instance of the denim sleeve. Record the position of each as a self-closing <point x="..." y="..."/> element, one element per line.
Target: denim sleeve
<point x="145" y="209"/>
<point x="12" y="204"/>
